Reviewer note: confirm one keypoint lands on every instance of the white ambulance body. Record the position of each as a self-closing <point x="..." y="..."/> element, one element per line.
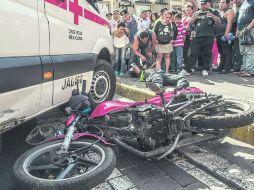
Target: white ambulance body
<point x="47" y="47"/>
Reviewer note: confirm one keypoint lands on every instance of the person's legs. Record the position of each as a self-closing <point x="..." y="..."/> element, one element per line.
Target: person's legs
<point x="237" y="57"/>
<point x="173" y="61"/>
<point x="249" y="57"/>
<point x="227" y="51"/>
<point x="186" y="48"/>
<point x="167" y="60"/>
<point x="179" y="57"/>
<point x="195" y="52"/>
<point x="158" y="60"/>
<point x="222" y="57"/>
<point x="116" y="65"/>
<point x="123" y="60"/>
<point x="207" y="52"/>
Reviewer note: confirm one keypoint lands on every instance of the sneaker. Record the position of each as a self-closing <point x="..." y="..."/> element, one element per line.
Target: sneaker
<point x="193" y="70"/>
<point x="184" y="73"/>
<point x="121" y="74"/>
<point x="204" y="73"/>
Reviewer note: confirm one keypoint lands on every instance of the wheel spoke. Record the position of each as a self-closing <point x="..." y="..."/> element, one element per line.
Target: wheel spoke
<point x="87" y="161"/>
<point x="43" y="167"/>
<point x="66" y="171"/>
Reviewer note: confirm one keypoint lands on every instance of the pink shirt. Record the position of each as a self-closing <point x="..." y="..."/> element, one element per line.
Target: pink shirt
<point x="181" y="32"/>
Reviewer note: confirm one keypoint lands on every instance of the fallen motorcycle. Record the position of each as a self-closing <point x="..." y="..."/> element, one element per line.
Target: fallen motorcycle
<point x="84" y="155"/>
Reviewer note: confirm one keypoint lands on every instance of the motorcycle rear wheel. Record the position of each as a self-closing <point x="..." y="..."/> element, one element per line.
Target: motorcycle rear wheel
<point x="35" y="169"/>
<point x="237" y="113"/>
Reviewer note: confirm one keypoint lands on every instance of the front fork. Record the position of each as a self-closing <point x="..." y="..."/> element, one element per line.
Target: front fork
<point x="68" y="137"/>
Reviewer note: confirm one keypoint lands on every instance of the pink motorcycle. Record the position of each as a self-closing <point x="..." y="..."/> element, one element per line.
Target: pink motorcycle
<point x="84" y="155"/>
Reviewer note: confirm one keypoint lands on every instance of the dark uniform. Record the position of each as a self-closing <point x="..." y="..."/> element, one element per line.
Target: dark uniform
<point x="202" y="42"/>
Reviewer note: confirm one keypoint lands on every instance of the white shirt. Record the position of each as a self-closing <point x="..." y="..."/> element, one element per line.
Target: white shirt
<point x="143" y="24"/>
<point x="113" y="24"/>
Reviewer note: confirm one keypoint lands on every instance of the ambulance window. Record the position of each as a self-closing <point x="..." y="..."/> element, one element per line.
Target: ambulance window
<point x="93" y="3"/>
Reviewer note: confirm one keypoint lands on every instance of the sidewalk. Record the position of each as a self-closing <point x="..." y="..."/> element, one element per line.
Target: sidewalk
<point x="229" y="85"/>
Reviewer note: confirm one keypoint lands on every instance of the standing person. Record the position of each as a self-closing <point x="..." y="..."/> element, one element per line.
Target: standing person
<point x="109" y="16"/>
<point x="113" y="22"/>
<point x="142" y="47"/>
<point x="203" y="22"/>
<point x="179" y="42"/>
<point x="161" y="18"/>
<point x="245" y="24"/>
<point x="130" y="23"/>
<point x="149" y="15"/>
<point x="154" y="17"/>
<point x="186" y="20"/>
<point x="166" y="34"/>
<point x="143" y="22"/>
<point x="237" y="57"/>
<point x="223" y="30"/>
<point x="120" y="41"/>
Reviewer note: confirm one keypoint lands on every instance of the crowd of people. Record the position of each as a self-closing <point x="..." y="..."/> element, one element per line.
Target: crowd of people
<point x="183" y="41"/>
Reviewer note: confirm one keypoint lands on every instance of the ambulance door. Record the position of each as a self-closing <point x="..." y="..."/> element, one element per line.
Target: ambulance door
<point x="72" y="38"/>
<point x="20" y="64"/>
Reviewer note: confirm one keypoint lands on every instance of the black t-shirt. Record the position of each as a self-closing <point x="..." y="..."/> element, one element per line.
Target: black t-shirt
<point x="204" y="26"/>
<point x="246" y="14"/>
<point x="164" y="33"/>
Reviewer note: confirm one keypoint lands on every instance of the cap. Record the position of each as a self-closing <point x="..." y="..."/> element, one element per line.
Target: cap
<point x="204" y="1"/>
<point x="116" y="10"/>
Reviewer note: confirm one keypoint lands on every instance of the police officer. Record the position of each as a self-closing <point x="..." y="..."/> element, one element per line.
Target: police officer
<point x="203" y="22"/>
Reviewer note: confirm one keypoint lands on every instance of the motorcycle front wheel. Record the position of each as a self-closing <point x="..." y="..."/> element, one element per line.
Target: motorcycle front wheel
<point x="40" y="168"/>
<point x="234" y="114"/>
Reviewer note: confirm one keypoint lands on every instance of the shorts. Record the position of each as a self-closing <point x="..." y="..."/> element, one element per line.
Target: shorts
<point x="164" y="48"/>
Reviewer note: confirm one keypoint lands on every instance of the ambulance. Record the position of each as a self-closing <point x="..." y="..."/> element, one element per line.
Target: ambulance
<point x="47" y="49"/>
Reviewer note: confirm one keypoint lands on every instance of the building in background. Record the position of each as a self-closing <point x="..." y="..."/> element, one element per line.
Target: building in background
<point x="136" y="6"/>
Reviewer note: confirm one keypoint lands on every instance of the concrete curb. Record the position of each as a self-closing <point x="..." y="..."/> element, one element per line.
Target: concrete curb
<point x="245" y="134"/>
<point x="133" y="93"/>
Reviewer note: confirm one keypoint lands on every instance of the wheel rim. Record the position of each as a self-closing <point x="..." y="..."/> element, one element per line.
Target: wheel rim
<point x="39" y="164"/>
<point x="230" y="107"/>
<point x="100" y="86"/>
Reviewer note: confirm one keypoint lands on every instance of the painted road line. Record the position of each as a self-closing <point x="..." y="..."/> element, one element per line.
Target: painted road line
<point x="217" y="166"/>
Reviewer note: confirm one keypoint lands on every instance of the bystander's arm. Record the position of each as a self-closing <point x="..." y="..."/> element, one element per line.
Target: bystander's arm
<point x="135" y="48"/>
<point x="251" y="25"/>
<point x="214" y="17"/>
<point x="230" y="18"/>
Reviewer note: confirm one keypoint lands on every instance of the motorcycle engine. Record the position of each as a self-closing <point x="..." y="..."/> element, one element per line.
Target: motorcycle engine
<point x="146" y="123"/>
<point x="150" y="122"/>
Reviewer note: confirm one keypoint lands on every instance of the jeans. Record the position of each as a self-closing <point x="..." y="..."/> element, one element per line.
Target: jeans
<point x="179" y="57"/>
<point x="200" y="46"/>
<point x="248" y="56"/>
<point x="225" y="51"/>
<point x="237" y="57"/>
<point x="186" y="48"/>
<point x="120" y="54"/>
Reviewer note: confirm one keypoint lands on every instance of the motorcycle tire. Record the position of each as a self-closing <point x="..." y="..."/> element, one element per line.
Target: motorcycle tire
<point x="25" y="171"/>
<point x="238" y="113"/>
<point x="103" y="83"/>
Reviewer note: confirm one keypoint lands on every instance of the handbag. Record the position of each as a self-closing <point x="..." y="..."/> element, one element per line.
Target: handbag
<point x="246" y="38"/>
